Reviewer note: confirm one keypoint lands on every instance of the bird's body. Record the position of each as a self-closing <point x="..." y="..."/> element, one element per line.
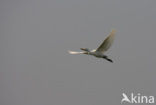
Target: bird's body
<point x="96" y="54"/>
<point x="99" y="52"/>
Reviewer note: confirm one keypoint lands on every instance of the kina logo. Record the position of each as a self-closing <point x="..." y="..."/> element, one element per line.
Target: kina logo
<point x="138" y="98"/>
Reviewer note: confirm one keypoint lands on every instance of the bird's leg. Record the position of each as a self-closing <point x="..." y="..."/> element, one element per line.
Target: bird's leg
<point x="109" y="60"/>
<point x="105" y="57"/>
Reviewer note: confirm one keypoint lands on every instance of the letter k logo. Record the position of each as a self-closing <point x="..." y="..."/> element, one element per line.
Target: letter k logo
<point x="125" y="98"/>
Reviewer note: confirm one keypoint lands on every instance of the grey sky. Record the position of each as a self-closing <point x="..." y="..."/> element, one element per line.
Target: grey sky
<point x="36" y="69"/>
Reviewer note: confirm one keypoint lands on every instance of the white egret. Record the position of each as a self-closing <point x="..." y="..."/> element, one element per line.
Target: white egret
<point x="99" y="52"/>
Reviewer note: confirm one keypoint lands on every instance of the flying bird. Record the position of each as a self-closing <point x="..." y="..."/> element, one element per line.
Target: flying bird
<point x="99" y="52"/>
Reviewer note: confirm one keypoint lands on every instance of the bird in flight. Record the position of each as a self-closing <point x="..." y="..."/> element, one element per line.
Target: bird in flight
<point x="99" y="52"/>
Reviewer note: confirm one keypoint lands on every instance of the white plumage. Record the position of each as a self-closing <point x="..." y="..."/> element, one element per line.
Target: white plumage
<point x="74" y="52"/>
<point x="99" y="52"/>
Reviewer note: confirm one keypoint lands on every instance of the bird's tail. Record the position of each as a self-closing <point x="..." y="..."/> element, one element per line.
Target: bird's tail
<point x="74" y="52"/>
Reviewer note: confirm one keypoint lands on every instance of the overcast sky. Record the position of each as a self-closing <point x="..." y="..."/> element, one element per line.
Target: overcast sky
<point x="36" y="69"/>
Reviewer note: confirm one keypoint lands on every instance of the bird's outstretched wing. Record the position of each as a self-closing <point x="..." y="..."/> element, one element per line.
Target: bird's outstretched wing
<point x="74" y="52"/>
<point x="107" y="42"/>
